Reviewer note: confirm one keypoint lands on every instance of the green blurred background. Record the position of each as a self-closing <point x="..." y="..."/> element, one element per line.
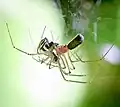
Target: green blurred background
<point x="25" y="83"/>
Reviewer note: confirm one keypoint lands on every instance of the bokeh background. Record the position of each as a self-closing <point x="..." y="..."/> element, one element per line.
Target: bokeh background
<point x="26" y="83"/>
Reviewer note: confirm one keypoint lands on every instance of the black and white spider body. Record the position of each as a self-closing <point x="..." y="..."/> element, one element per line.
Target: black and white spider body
<point x="45" y="45"/>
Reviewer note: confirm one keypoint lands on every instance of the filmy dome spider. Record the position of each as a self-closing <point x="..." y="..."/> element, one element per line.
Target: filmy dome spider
<point x="55" y="53"/>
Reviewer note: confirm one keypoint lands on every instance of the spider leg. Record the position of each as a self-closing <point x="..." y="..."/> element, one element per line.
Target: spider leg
<point x="43" y="60"/>
<point x="39" y="60"/>
<point x="76" y="58"/>
<point x="52" y="66"/>
<point x="66" y="63"/>
<point x="43" y="32"/>
<point x="14" y="45"/>
<point x="102" y="58"/>
<point x="73" y="67"/>
<point x="62" y="62"/>
<point x="62" y="73"/>
<point x="51" y="61"/>
<point x="69" y="73"/>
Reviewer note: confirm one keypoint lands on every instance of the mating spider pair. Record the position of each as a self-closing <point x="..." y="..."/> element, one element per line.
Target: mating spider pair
<point x="55" y="54"/>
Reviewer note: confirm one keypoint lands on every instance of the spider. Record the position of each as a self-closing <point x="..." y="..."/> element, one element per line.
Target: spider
<point x="55" y="53"/>
<point x="58" y="53"/>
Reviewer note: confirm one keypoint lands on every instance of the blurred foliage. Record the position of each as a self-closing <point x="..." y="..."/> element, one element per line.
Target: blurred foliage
<point x="74" y="9"/>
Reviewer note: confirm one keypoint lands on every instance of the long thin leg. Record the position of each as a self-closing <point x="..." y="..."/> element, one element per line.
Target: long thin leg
<point x="49" y="55"/>
<point x="67" y="64"/>
<point x="30" y="36"/>
<point x="67" y="79"/>
<point x="69" y="73"/>
<point x="62" y="62"/>
<point x="38" y="60"/>
<point x="14" y="45"/>
<point x="76" y="59"/>
<point x="52" y="35"/>
<point x="43" y="60"/>
<point x="43" y="32"/>
<point x="40" y="53"/>
<point x="96" y="59"/>
<point x="51" y="65"/>
<point x="51" y="61"/>
<point x="73" y="67"/>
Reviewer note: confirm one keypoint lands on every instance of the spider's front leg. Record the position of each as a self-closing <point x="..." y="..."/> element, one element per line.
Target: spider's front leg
<point x="20" y="50"/>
